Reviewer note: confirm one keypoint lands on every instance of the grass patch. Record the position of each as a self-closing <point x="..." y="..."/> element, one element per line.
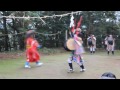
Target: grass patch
<point x="10" y="65"/>
<point x="57" y="62"/>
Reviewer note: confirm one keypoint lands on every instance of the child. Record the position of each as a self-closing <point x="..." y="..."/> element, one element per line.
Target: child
<point x="31" y="49"/>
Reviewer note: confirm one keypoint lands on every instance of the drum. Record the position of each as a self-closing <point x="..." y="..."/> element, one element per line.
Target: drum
<point x="69" y="45"/>
<point x="65" y="46"/>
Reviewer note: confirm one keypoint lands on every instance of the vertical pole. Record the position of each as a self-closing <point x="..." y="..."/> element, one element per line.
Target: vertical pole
<point x="66" y="35"/>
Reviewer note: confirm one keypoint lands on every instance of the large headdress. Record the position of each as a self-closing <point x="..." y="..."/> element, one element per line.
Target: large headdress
<point x="75" y="28"/>
<point x="30" y="33"/>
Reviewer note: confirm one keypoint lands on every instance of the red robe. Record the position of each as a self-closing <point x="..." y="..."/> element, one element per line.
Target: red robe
<point x="31" y="50"/>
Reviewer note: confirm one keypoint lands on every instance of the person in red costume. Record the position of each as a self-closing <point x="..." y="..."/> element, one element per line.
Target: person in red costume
<point x="32" y="53"/>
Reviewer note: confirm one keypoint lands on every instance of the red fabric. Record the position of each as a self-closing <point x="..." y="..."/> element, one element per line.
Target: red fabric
<point x="77" y="32"/>
<point x="31" y="50"/>
<point x="76" y="37"/>
<point x="79" y="22"/>
<point x="73" y="28"/>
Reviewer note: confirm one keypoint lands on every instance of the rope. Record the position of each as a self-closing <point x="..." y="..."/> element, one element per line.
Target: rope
<point x="61" y="15"/>
<point x="50" y="34"/>
<point x="59" y="32"/>
<point x="11" y="34"/>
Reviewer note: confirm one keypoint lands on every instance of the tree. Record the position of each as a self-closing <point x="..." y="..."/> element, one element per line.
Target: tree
<point x="5" y="31"/>
<point x="95" y="22"/>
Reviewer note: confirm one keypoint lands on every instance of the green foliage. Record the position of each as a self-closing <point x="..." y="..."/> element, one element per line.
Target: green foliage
<point x="96" y="22"/>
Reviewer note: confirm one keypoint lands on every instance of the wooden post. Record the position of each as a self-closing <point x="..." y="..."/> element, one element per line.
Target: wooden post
<point x="66" y="35"/>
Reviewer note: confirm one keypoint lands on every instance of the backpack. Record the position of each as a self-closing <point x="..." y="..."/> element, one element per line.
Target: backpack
<point x="89" y="40"/>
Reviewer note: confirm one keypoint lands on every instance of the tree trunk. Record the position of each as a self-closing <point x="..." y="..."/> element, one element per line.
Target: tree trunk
<point x="21" y="42"/>
<point x="0" y="48"/>
<point x="5" y="32"/>
<point x="14" y="36"/>
<point x="20" y="39"/>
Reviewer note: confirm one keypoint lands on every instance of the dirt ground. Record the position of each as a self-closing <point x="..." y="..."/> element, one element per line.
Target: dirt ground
<point x="10" y="55"/>
<point x="56" y="67"/>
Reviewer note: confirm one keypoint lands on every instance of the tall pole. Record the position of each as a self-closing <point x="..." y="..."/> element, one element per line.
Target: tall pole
<point x="66" y="35"/>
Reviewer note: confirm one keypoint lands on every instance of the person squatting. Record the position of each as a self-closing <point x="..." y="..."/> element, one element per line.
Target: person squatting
<point x="76" y="55"/>
<point x="31" y="49"/>
<point x="91" y="42"/>
<point x="110" y="42"/>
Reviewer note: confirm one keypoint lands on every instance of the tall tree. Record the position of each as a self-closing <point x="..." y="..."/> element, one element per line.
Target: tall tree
<point x="5" y="31"/>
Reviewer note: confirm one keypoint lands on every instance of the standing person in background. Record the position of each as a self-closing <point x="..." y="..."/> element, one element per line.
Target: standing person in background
<point x="91" y="42"/>
<point x="31" y="49"/>
<point x="106" y="42"/>
<point x="110" y="44"/>
<point x="94" y="43"/>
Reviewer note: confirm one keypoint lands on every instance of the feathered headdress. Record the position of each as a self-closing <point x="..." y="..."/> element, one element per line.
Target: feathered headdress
<point x="73" y="24"/>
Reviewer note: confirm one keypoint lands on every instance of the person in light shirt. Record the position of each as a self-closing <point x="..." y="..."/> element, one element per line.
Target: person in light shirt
<point x="110" y="41"/>
<point x="91" y="42"/>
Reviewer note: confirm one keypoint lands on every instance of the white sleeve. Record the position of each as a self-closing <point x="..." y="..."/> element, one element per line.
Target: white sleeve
<point x="88" y="38"/>
<point x="94" y="38"/>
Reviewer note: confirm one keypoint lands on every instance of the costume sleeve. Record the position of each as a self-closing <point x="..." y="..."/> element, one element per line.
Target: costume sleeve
<point x="76" y="38"/>
<point x="36" y="43"/>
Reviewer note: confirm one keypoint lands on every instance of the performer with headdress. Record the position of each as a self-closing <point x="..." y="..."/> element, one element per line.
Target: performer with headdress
<point x="78" y="49"/>
<point x="31" y="49"/>
<point x="110" y="41"/>
<point x="91" y="42"/>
